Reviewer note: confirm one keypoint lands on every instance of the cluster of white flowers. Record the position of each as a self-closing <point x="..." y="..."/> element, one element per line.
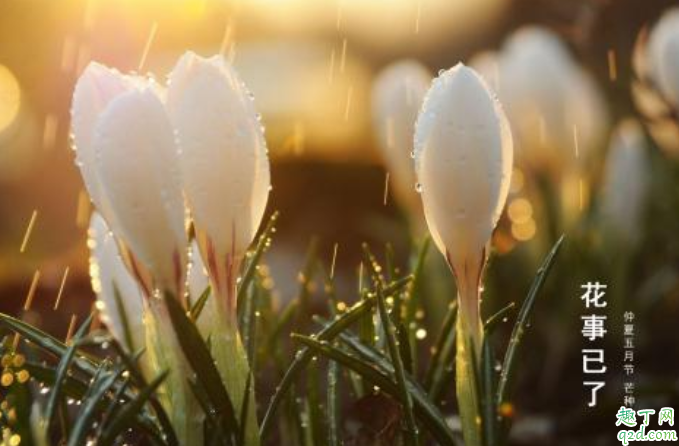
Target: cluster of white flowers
<point x="155" y="159"/>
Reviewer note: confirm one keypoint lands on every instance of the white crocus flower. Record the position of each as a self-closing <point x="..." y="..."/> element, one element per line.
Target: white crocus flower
<point x="224" y="164"/>
<point x="463" y="161"/>
<point x="663" y="55"/>
<point x="225" y="170"/>
<point x="626" y="182"/>
<point x="109" y="276"/>
<point x="135" y="162"/>
<point x="397" y="96"/>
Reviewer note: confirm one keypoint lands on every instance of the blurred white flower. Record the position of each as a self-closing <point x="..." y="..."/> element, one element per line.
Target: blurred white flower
<point x="656" y="88"/>
<point x="108" y="274"/>
<point x="397" y="95"/>
<point x="626" y="182"/>
<point x="224" y="163"/>
<point x="550" y="106"/>
<point x="463" y="158"/>
<point x="663" y="55"/>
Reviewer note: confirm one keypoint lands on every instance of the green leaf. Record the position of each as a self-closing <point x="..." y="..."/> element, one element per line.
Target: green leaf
<point x="490" y="424"/>
<point x="129" y="411"/>
<point x="394" y="352"/>
<point x="198" y="356"/>
<point x="509" y="364"/>
<point x="303" y="356"/>
<point x="380" y="373"/>
<point x="438" y="360"/>
<point x="332" y="404"/>
<point x="199" y="304"/>
<point x="262" y="244"/>
<point x="47" y="342"/>
<point x="137" y="376"/>
<point x="413" y="298"/>
<point x="89" y="411"/>
<point x="495" y="319"/>
<point x="244" y="410"/>
<point x="62" y="371"/>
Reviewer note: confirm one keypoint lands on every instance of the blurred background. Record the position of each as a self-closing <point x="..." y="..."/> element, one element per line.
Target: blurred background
<point x="311" y="66"/>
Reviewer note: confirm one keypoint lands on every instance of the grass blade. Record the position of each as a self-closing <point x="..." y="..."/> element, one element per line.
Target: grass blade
<point x="85" y="419"/>
<point x="304" y="355"/>
<point x="62" y="371"/>
<point x="199" y="304"/>
<point x="198" y="356"/>
<point x="436" y="363"/>
<point x="394" y="352"/>
<point x="428" y="413"/>
<point x="263" y="243"/>
<point x="498" y="317"/>
<point x="509" y="364"/>
<point x="129" y="411"/>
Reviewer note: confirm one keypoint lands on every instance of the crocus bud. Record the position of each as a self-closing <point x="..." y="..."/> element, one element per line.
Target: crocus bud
<point x="224" y="163"/>
<point x="397" y="95"/>
<point x="463" y="162"/>
<point x="135" y="161"/>
<point x="663" y="54"/>
<point x="626" y="182"/>
<point x="122" y="314"/>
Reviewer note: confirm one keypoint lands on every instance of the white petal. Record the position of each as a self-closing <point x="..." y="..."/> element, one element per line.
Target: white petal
<point x="223" y="154"/>
<point x="397" y="96"/>
<point x="136" y="164"/>
<point x="463" y="153"/>
<point x="95" y="89"/>
<point x="108" y="273"/>
<point x="664" y="55"/>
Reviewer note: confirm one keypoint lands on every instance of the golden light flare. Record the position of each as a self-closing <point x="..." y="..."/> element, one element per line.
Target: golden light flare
<point x="524" y="231"/>
<point x="520" y="211"/>
<point x="10" y="98"/>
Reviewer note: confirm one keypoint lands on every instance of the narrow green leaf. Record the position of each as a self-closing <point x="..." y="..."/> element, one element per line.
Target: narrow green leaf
<point x="395" y="354"/>
<point x="432" y="419"/>
<point x="89" y="411"/>
<point x="245" y="407"/>
<point x="490" y="422"/>
<point x="200" y="360"/>
<point x="47" y="342"/>
<point x="509" y="364"/>
<point x="412" y="301"/>
<point x="129" y="411"/>
<point x="447" y="330"/>
<point x="303" y="356"/>
<point x="137" y="376"/>
<point x="262" y="244"/>
<point x="332" y="404"/>
<point x="199" y="304"/>
<point x="62" y="371"/>
<point x="498" y="317"/>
